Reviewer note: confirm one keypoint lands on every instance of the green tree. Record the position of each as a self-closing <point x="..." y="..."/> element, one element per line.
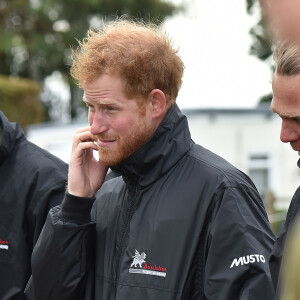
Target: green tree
<point x="263" y="45"/>
<point x="36" y="36"/>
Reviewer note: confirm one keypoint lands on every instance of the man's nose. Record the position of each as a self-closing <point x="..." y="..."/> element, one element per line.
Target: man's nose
<point x="288" y="132"/>
<point x="98" y="124"/>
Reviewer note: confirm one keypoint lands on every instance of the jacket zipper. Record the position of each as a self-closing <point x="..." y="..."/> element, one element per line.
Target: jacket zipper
<point x="121" y="249"/>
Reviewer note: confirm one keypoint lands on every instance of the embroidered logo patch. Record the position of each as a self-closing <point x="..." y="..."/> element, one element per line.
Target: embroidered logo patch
<point x="139" y="266"/>
<point x="3" y="244"/>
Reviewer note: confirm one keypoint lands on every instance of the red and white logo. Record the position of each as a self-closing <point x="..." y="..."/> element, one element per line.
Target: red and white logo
<point x="3" y="244"/>
<point x="139" y="266"/>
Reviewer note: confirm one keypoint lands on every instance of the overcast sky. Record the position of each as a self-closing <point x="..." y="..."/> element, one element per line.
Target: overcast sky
<point x="213" y="40"/>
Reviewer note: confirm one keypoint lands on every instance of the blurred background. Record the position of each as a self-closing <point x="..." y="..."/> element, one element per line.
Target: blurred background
<point x="226" y="90"/>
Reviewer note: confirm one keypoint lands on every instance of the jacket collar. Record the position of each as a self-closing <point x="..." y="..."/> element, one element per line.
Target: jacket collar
<point x="156" y="157"/>
<point x="11" y="134"/>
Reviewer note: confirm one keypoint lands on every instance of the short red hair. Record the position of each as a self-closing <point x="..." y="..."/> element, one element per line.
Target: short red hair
<point x="140" y="54"/>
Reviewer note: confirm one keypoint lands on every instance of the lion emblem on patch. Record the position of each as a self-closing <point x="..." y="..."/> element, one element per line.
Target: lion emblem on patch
<point x="138" y="259"/>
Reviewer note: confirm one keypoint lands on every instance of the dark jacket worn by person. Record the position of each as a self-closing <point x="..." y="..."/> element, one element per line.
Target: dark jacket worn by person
<point x="181" y="223"/>
<point x="31" y="182"/>
<point x="278" y="249"/>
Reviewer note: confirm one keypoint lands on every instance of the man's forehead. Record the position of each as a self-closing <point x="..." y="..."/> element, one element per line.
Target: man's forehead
<point x="87" y="98"/>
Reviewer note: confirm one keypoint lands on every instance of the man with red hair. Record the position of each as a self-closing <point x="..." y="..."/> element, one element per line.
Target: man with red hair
<point x="179" y="223"/>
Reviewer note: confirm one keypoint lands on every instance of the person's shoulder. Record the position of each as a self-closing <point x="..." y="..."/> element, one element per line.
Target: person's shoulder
<point x="213" y="166"/>
<point x="294" y="207"/>
<point x="297" y="195"/>
<point x="38" y="159"/>
<point x="295" y="203"/>
<point x="293" y="211"/>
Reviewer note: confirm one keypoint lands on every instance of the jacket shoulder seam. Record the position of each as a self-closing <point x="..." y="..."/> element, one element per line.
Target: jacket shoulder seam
<point x="230" y="182"/>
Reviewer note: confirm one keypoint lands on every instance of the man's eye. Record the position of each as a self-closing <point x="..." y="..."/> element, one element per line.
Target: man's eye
<point x="110" y="108"/>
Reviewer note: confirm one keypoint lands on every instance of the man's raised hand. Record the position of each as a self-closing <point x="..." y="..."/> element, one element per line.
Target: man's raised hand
<point x="86" y="174"/>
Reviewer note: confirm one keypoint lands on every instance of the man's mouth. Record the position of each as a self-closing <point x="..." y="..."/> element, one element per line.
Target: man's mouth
<point x="105" y="143"/>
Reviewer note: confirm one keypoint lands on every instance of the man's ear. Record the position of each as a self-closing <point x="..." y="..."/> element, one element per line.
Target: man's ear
<point x="159" y="103"/>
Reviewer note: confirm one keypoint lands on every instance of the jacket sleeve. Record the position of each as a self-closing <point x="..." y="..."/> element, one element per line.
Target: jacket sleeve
<point x="43" y="200"/>
<point x="239" y="247"/>
<point x="62" y="257"/>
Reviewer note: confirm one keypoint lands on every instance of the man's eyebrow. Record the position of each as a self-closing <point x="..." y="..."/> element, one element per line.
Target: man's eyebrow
<point x="274" y="110"/>
<point x="108" y="103"/>
<point x="84" y="99"/>
<point x="282" y="115"/>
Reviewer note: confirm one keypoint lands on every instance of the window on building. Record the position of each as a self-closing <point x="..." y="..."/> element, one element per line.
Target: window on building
<point x="260" y="177"/>
<point x="259" y="171"/>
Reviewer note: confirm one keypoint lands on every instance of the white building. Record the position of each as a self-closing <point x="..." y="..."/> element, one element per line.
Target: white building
<point x="247" y="138"/>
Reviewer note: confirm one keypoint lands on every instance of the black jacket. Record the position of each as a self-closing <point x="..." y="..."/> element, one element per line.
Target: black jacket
<point x="278" y="249"/>
<point x="181" y="223"/>
<point x="31" y="182"/>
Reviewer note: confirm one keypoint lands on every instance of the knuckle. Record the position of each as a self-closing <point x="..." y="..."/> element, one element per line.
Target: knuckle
<point x="78" y="130"/>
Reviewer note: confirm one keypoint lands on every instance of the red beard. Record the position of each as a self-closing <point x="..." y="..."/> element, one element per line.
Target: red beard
<point x="124" y="146"/>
